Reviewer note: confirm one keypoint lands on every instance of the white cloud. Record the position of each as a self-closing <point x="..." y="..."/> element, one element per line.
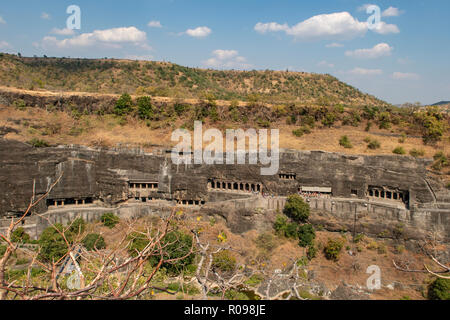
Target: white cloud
<point x="380" y="50"/>
<point x="225" y="54"/>
<point x="325" y="64"/>
<point x="334" y="45"/>
<point x="335" y="25"/>
<point x="384" y="28"/>
<point x="109" y="37"/>
<point x="391" y="12"/>
<point x="199" y="32"/>
<point x="5" y="45"/>
<point x="365" y="72"/>
<point x="63" y="32"/>
<point x="227" y="59"/>
<point x="154" y="24"/>
<point x="270" y="27"/>
<point x="45" y="16"/>
<point x="2" y="21"/>
<point x="405" y="76"/>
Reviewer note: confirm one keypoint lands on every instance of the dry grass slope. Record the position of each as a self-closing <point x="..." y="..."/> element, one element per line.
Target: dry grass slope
<point x="171" y="80"/>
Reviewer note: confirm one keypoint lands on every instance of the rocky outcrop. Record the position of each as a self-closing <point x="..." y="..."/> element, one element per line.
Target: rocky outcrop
<point x="110" y="177"/>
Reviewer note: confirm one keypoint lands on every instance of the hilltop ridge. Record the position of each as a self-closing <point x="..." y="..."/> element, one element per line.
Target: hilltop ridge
<point x="163" y="79"/>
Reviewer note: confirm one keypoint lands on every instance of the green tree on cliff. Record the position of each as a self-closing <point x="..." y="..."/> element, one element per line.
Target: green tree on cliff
<point x="297" y="209"/>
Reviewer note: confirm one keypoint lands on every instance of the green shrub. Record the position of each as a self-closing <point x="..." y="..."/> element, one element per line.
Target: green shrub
<point x="298" y="133"/>
<point x="345" y="142"/>
<point x="176" y="244"/>
<point x="19" y="235"/>
<point x="20" y="104"/>
<point x="306" y="235"/>
<point x="263" y="123"/>
<point x="280" y="224"/>
<point x="311" y="253"/>
<point x="94" y="241"/>
<point x="439" y="289"/>
<point x="297" y="209"/>
<point x="52" y="244"/>
<point x="124" y="105"/>
<point x="329" y="119"/>
<point x="38" y="143"/>
<point x="2" y="250"/>
<point x="301" y="131"/>
<point x="77" y="227"/>
<point x="333" y="248"/>
<point x="109" y="220"/>
<point x="384" y="120"/>
<point x="417" y="153"/>
<point x="440" y="161"/>
<point x="433" y="128"/>
<point x="145" y="108"/>
<point x="374" y="144"/>
<point x="284" y="228"/>
<point x="399" y="150"/>
<point x="448" y="186"/>
<point x="137" y="243"/>
<point x="224" y="261"/>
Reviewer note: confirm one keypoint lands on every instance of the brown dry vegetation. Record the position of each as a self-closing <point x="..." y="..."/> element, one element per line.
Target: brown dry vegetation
<point x="61" y="128"/>
<point x="351" y="269"/>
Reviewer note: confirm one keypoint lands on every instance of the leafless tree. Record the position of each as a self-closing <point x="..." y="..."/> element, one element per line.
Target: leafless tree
<point x="111" y="274"/>
<point x="439" y="273"/>
<point x="207" y="277"/>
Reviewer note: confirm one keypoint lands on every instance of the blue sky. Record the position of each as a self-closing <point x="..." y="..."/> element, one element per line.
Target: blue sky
<point x="406" y="58"/>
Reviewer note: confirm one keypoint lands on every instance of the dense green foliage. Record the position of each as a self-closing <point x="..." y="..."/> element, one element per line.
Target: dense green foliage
<point x="439" y="289"/>
<point x="145" y="108"/>
<point x="176" y="245"/>
<point x="285" y="228"/>
<point x="19" y="235"/>
<point x="94" y="241"/>
<point x="124" y="105"/>
<point x="77" y="227"/>
<point x="109" y="220"/>
<point x="306" y="235"/>
<point x="296" y="209"/>
<point x="52" y="243"/>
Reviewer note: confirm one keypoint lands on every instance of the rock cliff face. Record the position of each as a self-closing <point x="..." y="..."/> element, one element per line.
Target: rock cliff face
<point x="114" y="177"/>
